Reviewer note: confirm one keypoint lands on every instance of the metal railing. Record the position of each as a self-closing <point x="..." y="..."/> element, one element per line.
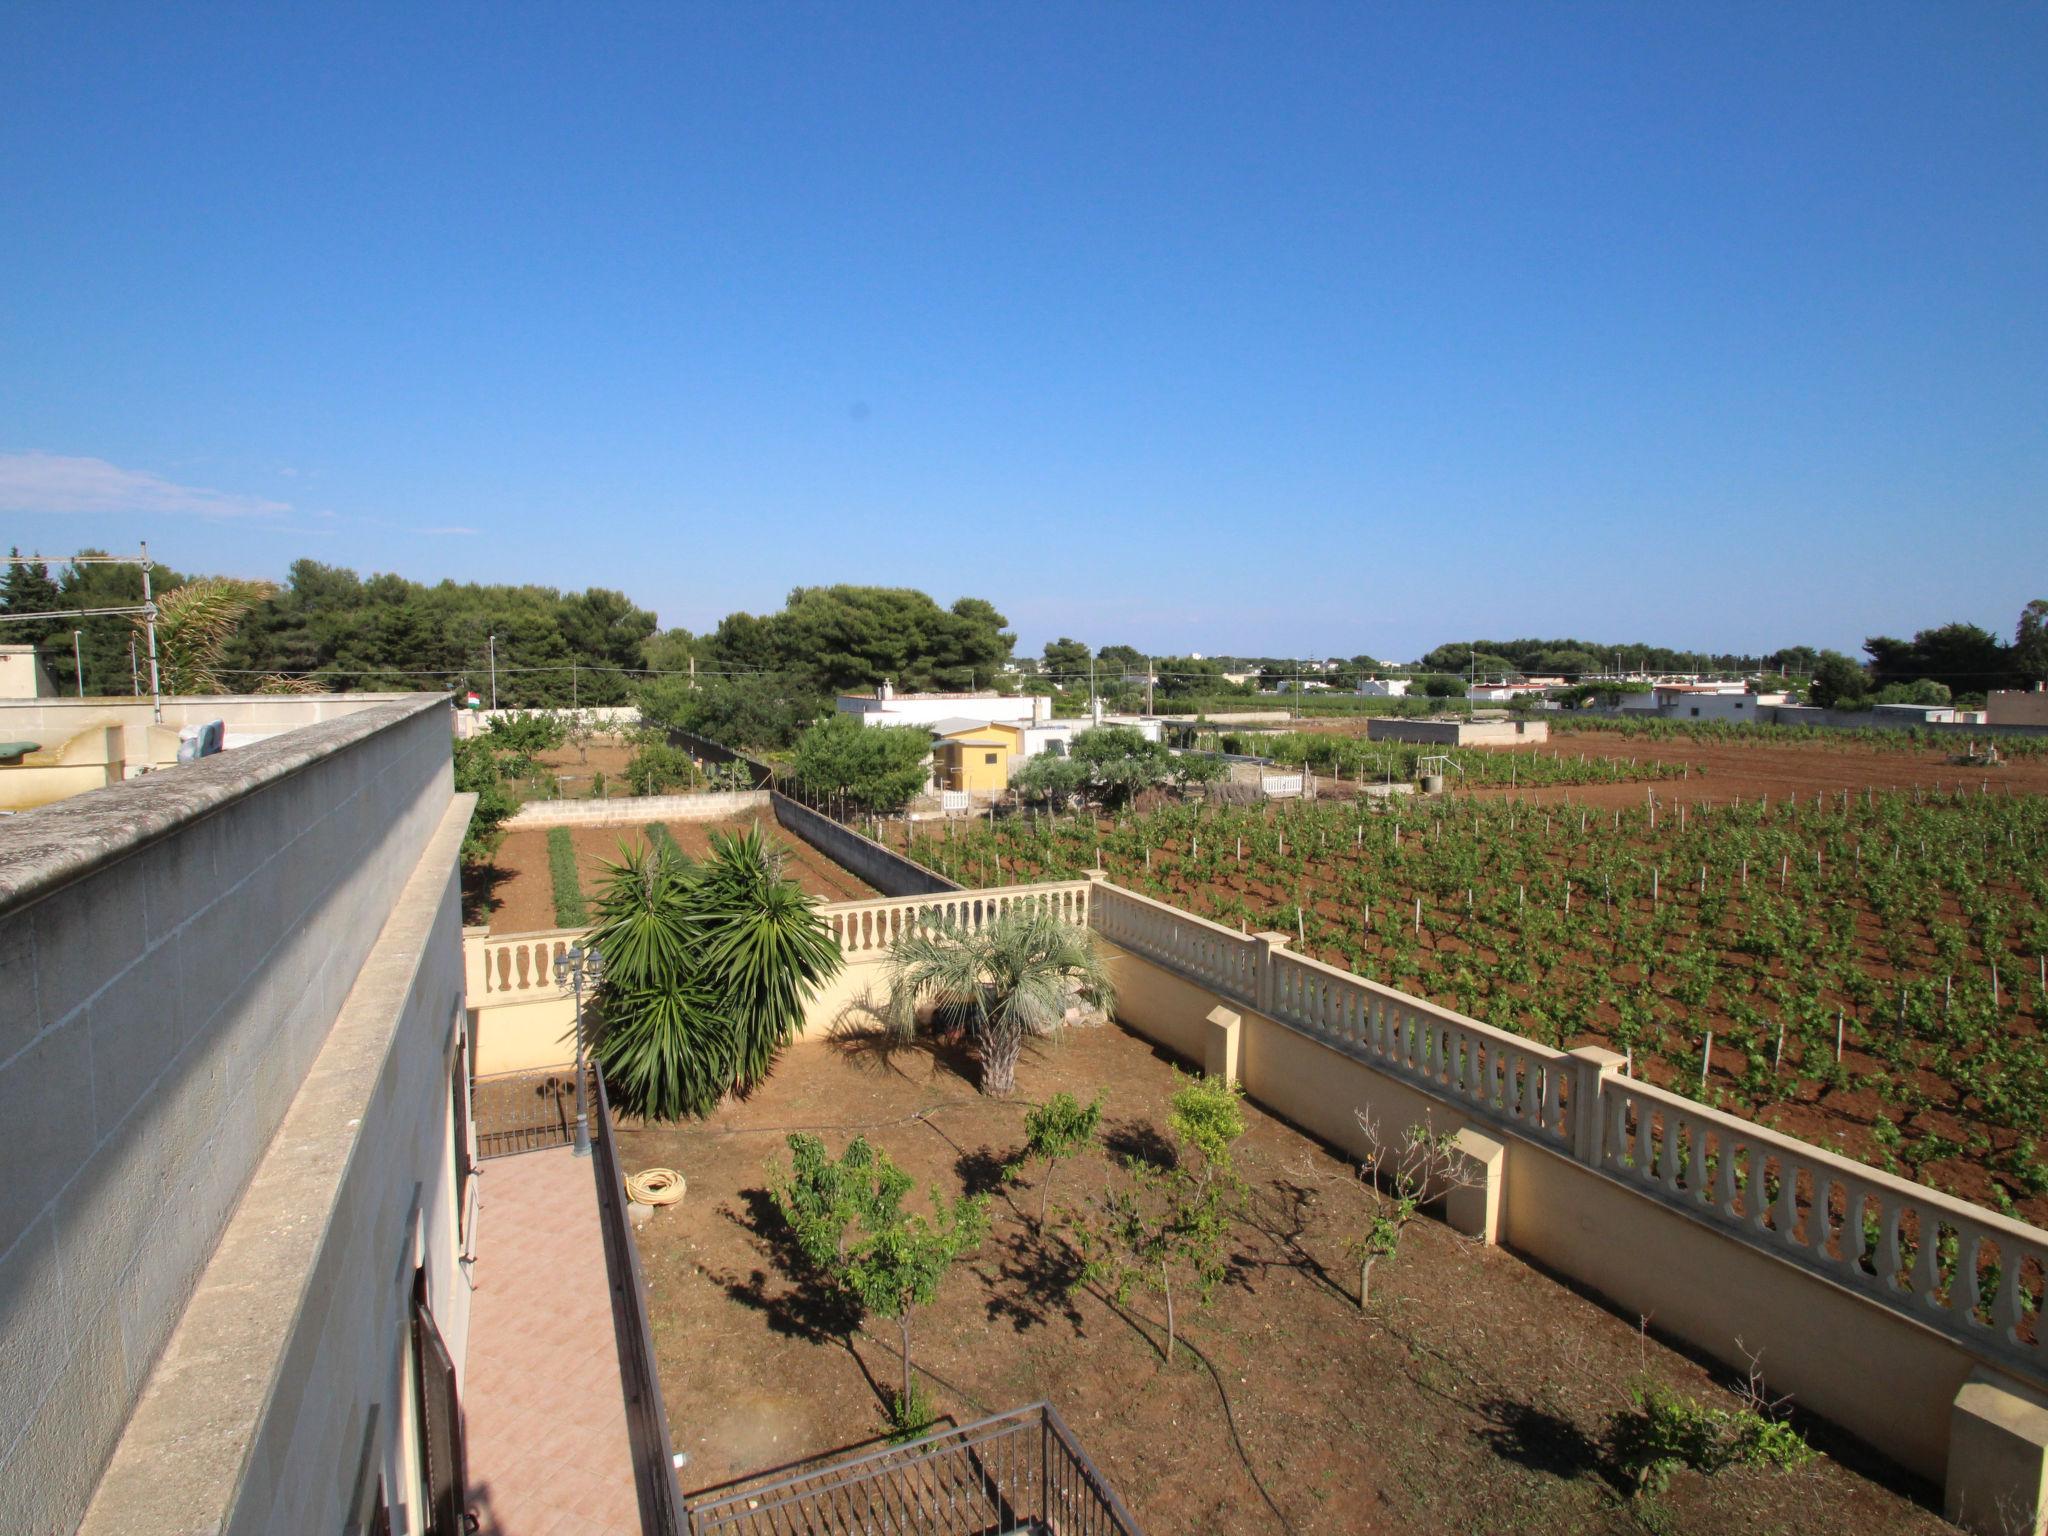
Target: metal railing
<point x="1017" y="1472"/>
<point x="524" y="1111"/>
<point x="647" y="1431"/>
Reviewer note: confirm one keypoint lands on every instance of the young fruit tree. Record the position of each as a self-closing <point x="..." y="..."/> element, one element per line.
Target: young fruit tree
<point x="1423" y="1167"/>
<point x="1054" y="1132"/>
<point x="1161" y="1226"/>
<point x="849" y="1222"/>
<point x="1011" y="980"/>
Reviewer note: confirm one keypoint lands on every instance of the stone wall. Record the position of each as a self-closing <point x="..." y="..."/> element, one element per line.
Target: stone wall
<point x="638" y="810"/>
<point x="883" y="868"/>
<point x="177" y="950"/>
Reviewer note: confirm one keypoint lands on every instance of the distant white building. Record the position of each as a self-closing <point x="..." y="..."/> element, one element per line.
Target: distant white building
<point x="1385" y="687"/>
<point x="885" y="706"/>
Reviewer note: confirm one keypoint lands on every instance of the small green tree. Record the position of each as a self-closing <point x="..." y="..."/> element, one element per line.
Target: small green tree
<point x="1838" y="682"/>
<point x="876" y="767"/>
<point x="1119" y="762"/>
<point x="848" y="1218"/>
<point x="1054" y="1132"/>
<point x="1425" y="1166"/>
<point x="1167" y="1224"/>
<point x="657" y="768"/>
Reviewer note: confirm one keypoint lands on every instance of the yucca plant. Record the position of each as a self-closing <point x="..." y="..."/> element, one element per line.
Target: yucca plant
<point x="668" y="1045"/>
<point x="1012" y="979"/>
<point x="765" y="945"/>
<point x="706" y="971"/>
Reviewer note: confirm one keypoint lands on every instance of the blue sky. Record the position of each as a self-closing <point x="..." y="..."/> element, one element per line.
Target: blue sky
<point x="1263" y="328"/>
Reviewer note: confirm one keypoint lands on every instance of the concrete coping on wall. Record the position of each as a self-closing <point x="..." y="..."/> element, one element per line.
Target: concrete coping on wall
<point x="54" y="845"/>
<point x="184" y="1454"/>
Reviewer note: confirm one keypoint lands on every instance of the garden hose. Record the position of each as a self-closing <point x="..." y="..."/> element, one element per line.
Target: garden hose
<point x="656" y="1186"/>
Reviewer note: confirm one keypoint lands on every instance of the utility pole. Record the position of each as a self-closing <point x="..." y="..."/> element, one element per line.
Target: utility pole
<point x="1148" y="684"/>
<point x="77" y="666"/>
<point x="156" y="684"/>
<point x="693" y="674"/>
<point x="494" y="673"/>
<point x="134" y="673"/>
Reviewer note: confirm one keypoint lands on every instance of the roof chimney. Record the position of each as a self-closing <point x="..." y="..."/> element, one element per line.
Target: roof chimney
<point x="884" y="692"/>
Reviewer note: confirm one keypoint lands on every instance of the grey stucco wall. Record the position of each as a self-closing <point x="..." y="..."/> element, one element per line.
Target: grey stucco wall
<point x="338" y="1400"/>
<point x="883" y="868"/>
<point x="175" y="950"/>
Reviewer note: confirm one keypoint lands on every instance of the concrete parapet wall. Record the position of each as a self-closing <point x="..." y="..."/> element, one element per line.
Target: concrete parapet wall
<point x="1879" y="1375"/>
<point x="638" y="810"/>
<point x="176" y="949"/>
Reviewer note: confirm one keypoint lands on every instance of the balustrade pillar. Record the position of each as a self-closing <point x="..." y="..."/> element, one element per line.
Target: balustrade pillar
<point x="1265" y="946"/>
<point x="1592" y="1066"/>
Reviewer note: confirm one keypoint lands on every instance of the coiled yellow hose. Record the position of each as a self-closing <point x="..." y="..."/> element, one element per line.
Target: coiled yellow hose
<point x="656" y="1186"/>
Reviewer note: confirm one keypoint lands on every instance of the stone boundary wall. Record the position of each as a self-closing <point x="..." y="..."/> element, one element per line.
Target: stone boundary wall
<point x="176" y="949"/>
<point x="714" y="752"/>
<point x="473" y="722"/>
<point x="637" y="810"/>
<point x="1641" y="1195"/>
<point x="883" y="868"/>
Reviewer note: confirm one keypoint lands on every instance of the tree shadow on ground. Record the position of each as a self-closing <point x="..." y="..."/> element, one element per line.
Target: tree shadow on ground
<point x="982" y="1172"/>
<point x="1280" y="1213"/>
<point x="807" y="1307"/>
<point x="1138" y="1141"/>
<point x="1547" y="1442"/>
<point x="480" y="884"/>
<point x="865" y="1040"/>
<point x="1029" y="1280"/>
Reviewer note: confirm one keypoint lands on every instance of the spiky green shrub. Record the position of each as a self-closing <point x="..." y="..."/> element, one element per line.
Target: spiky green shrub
<point x="706" y="971"/>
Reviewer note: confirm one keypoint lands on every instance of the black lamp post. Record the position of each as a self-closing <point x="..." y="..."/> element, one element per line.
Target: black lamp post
<point x="572" y="969"/>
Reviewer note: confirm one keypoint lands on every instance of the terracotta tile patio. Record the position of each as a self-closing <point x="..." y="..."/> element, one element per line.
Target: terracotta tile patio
<point x="542" y="1395"/>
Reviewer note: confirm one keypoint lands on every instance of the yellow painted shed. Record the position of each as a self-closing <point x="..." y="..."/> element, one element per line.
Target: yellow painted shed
<point x="974" y="755"/>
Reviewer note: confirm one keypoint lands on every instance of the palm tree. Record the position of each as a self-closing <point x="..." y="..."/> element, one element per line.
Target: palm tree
<point x="194" y="624"/>
<point x="707" y="968"/>
<point x="1011" y="979"/>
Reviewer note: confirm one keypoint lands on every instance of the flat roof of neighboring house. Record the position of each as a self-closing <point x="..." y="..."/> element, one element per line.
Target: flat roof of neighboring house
<point x="954" y="724"/>
<point x="902" y="698"/>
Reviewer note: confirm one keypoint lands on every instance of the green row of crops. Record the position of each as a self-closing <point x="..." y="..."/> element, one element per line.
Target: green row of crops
<point x="1869" y="967"/>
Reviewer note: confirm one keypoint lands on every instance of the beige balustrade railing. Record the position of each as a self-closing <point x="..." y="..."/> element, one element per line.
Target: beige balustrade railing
<point x="1970" y="1272"/>
<point x="1225" y="962"/>
<point x="866" y="928"/>
<point x="520" y="967"/>
<point x="1978" y="1277"/>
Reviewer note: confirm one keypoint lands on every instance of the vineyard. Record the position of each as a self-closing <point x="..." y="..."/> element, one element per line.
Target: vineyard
<point x="1865" y="971"/>
<point x="1732" y="732"/>
<point x="1376" y="762"/>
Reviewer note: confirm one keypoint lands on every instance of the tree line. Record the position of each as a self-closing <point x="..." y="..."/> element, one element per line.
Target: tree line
<point x="757" y="680"/>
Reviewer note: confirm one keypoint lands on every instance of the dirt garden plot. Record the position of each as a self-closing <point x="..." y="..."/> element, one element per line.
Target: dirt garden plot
<point x="1474" y="1395"/>
<point x="523" y="898"/>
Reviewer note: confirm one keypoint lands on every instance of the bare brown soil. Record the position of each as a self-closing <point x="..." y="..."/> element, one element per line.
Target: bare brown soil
<point x="575" y="768"/>
<point x="523" y="899"/>
<point x="1473" y="1397"/>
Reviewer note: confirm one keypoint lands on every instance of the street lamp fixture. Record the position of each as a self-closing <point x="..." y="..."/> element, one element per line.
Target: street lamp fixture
<point x="572" y="969"/>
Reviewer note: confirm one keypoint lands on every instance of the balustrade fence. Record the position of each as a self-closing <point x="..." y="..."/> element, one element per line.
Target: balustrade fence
<point x="871" y="927"/>
<point x="1018" y="1472"/>
<point x="1974" y="1275"/>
